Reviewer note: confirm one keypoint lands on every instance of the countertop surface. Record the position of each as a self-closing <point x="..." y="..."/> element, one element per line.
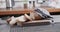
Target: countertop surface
<point x="4" y="27"/>
<point x="13" y="9"/>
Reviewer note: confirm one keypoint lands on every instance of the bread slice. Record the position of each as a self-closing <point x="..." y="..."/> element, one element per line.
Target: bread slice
<point x="13" y="21"/>
<point x="35" y="16"/>
<point x="21" y="18"/>
<point x="32" y="15"/>
<point x="28" y="17"/>
<point x="9" y="19"/>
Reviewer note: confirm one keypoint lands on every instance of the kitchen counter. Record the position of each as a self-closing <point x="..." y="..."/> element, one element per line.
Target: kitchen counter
<point x="23" y="11"/>
<point x="4" y="27"/>
<point x="14" y="11"/>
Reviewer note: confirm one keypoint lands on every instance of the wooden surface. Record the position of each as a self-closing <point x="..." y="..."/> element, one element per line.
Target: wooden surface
<point x="23" y="11"/>
<point x="9" y="12"/>
<point x="39" y="22"/>
<point x="53" y="9"/>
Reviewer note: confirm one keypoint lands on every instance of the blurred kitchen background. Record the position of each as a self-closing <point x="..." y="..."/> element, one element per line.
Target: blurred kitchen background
<point x="29" y="3"/>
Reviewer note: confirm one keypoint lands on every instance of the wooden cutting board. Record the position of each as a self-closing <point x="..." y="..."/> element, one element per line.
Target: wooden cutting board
<point x="35" y="22"/>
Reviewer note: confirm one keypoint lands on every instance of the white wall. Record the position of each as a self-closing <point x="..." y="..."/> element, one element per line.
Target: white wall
<point x="2" y="4"/>
<point x="19" y="4"/>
